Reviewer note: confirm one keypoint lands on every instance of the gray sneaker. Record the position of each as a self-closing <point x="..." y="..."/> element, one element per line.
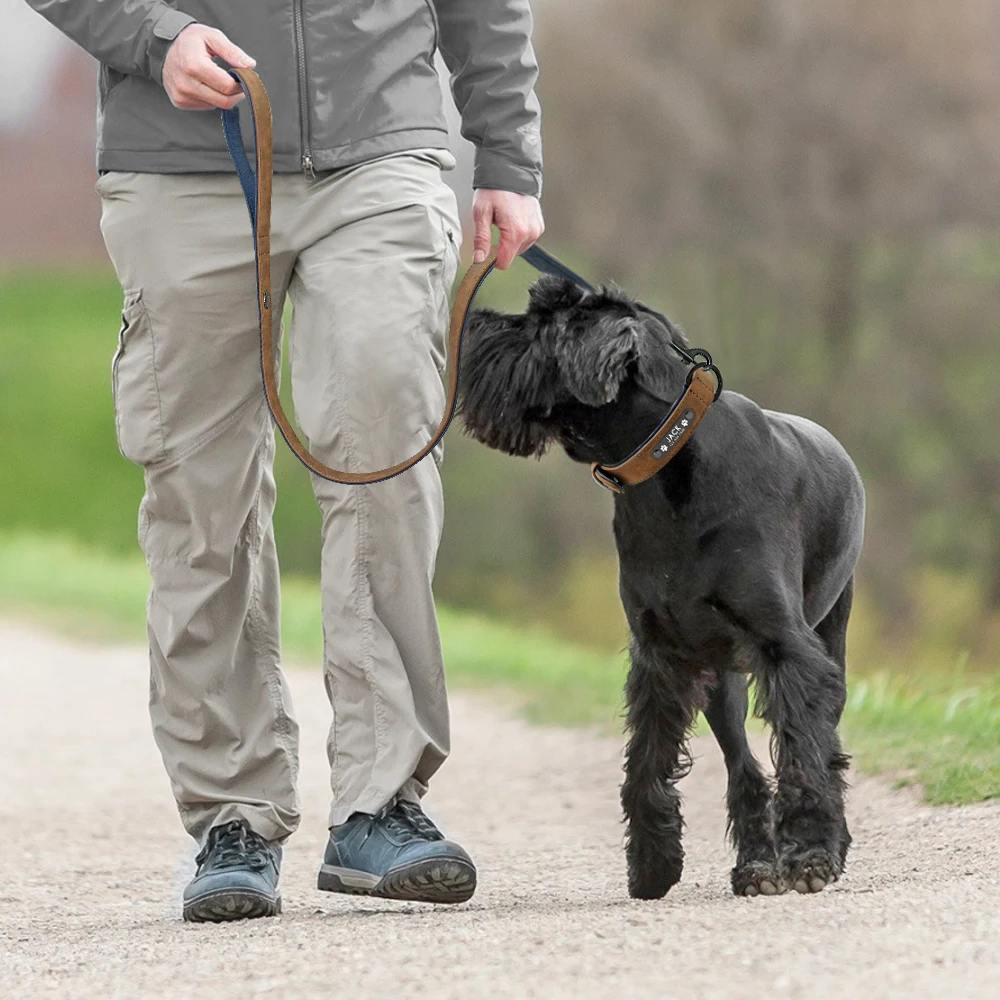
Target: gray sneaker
<point x="398" y="854"/>
<point x="237" y="876"/>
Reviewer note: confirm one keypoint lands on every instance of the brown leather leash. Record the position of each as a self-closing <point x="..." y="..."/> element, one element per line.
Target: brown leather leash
<point x="668" y="438"/>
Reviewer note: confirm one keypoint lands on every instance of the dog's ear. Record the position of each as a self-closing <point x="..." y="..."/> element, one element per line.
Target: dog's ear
<point x="550" y="294"/>
<point x="659" y="370"/>
<point x="507" y="383"/>
<point x="595" y="356"/>
<point x="594" y="336"/>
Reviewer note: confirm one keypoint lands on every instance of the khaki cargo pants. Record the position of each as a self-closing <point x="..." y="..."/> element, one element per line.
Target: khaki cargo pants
<point x="367" y="255"/>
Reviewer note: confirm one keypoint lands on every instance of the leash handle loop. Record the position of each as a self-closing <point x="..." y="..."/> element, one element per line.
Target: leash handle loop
<point x="256" y="186"/>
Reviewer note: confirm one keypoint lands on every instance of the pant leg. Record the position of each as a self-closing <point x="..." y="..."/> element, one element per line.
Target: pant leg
<point x="190" y="411"/>
<point x="370" y="311"/>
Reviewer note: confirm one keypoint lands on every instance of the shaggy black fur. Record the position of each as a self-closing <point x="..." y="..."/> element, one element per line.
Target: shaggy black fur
<point x="736" y="559"/>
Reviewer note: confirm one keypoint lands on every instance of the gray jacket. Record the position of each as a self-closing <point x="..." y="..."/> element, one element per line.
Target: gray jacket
<point x="348" y="80"/>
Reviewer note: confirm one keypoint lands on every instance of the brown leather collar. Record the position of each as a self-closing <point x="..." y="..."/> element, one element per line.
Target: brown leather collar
<point x="671" y="434"/>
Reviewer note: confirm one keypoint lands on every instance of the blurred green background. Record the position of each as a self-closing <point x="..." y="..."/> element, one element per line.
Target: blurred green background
<point x="811" y="190"/>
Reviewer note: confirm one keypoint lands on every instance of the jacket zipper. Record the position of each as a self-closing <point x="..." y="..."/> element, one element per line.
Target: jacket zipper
<point x="300" y="62"/>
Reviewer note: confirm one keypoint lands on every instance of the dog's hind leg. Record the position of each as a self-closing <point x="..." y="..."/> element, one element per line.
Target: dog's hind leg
<point x="833" y="631"/>
<point x="661" y="708"/>
<point x="802" y="694"/>
<point x="749" y="795"/>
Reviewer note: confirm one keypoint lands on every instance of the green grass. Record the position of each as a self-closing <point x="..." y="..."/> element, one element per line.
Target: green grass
<point x="946" y="738"/>
<point x="943" y="734"/>
<point x="60" y="469"/>
<point x="60" y="464"/>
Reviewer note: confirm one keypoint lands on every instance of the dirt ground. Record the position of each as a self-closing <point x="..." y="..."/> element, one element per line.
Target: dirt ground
<point x="94" y="860"/>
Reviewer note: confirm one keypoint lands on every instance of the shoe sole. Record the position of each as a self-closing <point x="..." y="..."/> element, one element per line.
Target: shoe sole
<point x="231" y="904"/>
<point x="436" y="880"/>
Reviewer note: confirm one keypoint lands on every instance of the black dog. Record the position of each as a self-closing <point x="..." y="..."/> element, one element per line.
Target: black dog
<point x="735" y="558"/>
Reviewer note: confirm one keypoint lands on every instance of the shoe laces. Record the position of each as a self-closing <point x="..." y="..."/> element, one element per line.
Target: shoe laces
<point x="234" y="845"/>
<point x="408" y="822"/>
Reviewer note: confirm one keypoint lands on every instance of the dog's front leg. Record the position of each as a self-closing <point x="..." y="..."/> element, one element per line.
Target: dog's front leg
<point x="661" y="708"/>
<point x="803" y="693"/>
<point x="748" y="795"/>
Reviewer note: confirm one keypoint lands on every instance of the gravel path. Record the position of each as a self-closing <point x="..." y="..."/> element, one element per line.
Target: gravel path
<point x="94" y="860"/>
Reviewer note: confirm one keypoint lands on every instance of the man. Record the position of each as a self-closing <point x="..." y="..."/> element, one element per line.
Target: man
<point x="365" y="240"/>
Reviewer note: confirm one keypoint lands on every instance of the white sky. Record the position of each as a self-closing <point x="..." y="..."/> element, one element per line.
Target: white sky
<point x="29" y="48"/>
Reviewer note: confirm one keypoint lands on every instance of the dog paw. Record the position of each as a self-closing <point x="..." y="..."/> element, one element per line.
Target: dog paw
<point x="757" y="878"/>
<point x="652" y="884"/>
<point x="652" y="877"/>
<point x="810" y="872"/>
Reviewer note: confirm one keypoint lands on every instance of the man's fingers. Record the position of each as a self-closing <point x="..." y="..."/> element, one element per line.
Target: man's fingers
<point x="190" y="77"/>
<point x="518" y="217"/>
<point x="482" y="218"/>
<point x="513" y="242"/>
<point x="507" y="250"/>
<point x="219" y="45"/>
<point x="215" y="78"/>
<point x="192" y="104"/>
<point x="510" y="247"/>
<point x="195" y="94"/>
<point x="511" y="236"/>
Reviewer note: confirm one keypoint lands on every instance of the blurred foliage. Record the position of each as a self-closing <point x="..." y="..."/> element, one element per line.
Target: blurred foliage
<point x="528" y="540"/>
<point x="812" y="190"/>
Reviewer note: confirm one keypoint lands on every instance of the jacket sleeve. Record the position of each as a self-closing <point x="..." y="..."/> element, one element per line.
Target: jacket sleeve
<point x="131" y="36"/>
<point x="486" y="44"/>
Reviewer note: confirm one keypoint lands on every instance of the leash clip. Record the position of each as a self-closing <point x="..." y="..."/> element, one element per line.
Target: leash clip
<point x="705" y="364"/>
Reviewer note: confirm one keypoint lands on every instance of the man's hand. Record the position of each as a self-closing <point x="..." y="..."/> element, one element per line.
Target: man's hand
<point x="195" y="83"/>
<point x="517" y="216"/>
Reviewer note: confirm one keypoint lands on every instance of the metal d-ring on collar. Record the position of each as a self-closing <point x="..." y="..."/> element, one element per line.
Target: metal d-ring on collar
<point x="692" y="358"/>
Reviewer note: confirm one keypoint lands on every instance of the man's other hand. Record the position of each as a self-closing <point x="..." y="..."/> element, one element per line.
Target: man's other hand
<point x="517" y="216"/>
<point x="195" y="83"/>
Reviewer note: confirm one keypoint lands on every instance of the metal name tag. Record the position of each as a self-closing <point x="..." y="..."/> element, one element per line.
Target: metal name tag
<point x="674" y="434"/>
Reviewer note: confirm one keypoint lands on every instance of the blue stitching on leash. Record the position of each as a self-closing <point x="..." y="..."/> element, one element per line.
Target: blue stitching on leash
<point x="234" y="140"/>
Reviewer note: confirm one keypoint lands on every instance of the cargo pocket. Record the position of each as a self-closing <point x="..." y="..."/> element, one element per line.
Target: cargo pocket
<point x="138" y="426"/>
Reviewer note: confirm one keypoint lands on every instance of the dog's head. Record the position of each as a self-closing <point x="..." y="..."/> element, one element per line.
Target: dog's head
<point x="558" y="370"/>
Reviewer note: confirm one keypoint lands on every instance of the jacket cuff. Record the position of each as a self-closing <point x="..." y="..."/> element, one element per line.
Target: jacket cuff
<point x="493" y="171"/>
<point x="166" y="28"/>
